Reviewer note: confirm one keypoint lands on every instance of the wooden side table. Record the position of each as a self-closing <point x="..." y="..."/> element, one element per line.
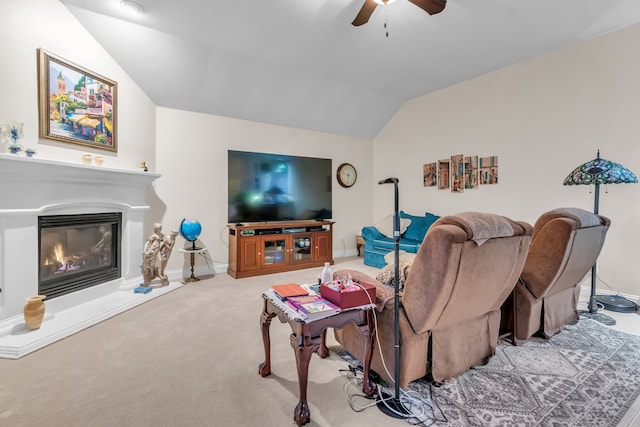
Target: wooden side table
<point x="192" y="253"/>
<point x="310" y="337"/>
<point x="359" y="243"/>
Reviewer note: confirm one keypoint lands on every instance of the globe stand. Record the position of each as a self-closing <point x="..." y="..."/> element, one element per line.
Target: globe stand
<point x="192" y="261"/>
<point x="190" y="230"/>
<point x="193" y="277"/>
<point x="194" y="247"/>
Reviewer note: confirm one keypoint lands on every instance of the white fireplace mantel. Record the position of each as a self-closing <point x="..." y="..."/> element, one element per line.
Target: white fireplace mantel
<point x="32" y="183"/>
<point x="33" y="187"/>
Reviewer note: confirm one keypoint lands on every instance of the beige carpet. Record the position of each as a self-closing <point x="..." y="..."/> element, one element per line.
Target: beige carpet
<point x="188" y="358"/>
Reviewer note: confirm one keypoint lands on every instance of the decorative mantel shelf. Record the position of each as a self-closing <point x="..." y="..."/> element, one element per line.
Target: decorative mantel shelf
<point x="33" y="187"/>
<point x="35" y="175"/>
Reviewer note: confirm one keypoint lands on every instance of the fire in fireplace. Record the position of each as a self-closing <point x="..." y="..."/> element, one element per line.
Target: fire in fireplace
<point x="78" y="251"/>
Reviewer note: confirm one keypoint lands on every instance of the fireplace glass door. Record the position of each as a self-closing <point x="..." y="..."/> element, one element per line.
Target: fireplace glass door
<point x="78" y="251"/>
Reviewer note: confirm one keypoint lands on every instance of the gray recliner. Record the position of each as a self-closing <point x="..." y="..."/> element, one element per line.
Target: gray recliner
<point x="565" y="245"/>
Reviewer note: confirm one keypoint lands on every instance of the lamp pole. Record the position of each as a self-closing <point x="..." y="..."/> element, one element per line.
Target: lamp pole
<point x="600" y="171"/>
<point x="392" y="406"/>
<point x="593" y="304"/>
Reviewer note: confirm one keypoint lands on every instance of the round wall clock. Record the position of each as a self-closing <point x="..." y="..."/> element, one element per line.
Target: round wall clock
<point x="346" y="175"/>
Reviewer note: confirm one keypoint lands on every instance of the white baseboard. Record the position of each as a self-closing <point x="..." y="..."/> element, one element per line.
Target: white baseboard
<point x="587" y="289"/>
<point x="344" y="253"/>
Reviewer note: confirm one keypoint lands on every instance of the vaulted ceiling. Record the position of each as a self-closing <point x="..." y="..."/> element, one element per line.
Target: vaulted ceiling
<point x="301" y="63"/>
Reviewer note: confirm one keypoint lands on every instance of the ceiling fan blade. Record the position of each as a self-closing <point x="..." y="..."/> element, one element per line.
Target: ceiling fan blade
<point x="430" y="6"/>
<point x="365" y="13"/>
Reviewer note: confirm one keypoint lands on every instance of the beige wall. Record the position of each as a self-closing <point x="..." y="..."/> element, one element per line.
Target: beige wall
<point x="27" y="25"/>
<point x="192" y="155"/>
<point x="542" y="118"/>
<point x="191" y="148"/>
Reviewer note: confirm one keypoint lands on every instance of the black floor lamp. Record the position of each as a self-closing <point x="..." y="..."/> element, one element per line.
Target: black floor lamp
<point x="600" y="171"/>
<point x="388" y="404"/>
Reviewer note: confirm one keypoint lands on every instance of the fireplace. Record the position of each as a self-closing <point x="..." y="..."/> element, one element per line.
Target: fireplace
<point x="77" y="252"/>
<point x="35" y="195"/>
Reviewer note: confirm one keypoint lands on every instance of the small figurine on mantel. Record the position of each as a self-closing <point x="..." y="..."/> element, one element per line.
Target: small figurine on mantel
<point x="156" y="255"/>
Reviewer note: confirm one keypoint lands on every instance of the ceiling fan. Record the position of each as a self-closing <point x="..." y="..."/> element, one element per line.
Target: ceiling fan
<point x="430" y="6"/>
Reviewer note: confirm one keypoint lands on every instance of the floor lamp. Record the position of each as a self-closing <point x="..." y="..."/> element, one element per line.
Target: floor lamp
<point x="600" y="171"/>
<point x="392" y="405"/>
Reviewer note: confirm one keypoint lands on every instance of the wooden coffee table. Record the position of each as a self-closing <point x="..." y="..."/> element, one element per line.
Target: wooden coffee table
<point x="310" y="337"/>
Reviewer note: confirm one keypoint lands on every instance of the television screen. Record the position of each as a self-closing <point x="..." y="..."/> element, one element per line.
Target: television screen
<point x="277" y="187"/>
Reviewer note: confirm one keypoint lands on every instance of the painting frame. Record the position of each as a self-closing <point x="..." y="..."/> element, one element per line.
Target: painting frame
<point x="471" y="172"/>
<point x="430" y="174"/>
<point x="488" y="168"/>
<point x="443" y="174"/>
<point x="457" y="173"/>
<point x="85" y="115"/>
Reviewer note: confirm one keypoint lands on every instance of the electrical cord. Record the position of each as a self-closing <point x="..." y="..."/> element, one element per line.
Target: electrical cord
<point x="206" y="260"/>
<point x="356" y="383"/>
<point x="420" y="412"/>
<point x="222" y="233"/>
<point x="418" y="409"/>
<point x="605" y="283"/>
<point x="210" y="262"/>
<point x="598" y="278"/>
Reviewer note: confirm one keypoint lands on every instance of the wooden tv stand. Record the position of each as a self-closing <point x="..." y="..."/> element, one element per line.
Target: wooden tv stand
<point x="274" y="247"/>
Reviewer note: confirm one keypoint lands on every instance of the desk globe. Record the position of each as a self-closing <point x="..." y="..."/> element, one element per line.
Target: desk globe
<point x="190" y="229"/>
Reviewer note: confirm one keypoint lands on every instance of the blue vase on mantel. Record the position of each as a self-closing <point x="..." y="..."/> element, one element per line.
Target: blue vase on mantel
<point x="15" y="148"/>
<point x="15" y="134"/>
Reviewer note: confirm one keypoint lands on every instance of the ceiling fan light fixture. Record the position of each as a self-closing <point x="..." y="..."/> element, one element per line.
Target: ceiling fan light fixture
<point x="131" y="6"/>
<point x="384" y="2"/>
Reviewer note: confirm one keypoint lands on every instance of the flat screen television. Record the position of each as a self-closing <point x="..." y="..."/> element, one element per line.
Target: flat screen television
<point x="276" y="187"/>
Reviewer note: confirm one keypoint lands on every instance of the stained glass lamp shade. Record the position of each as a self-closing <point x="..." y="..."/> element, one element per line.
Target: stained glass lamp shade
<point x="595" y="172"/>
<point x="600" y="171"/>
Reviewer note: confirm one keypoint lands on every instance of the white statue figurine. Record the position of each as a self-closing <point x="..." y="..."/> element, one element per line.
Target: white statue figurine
<point x="156" y="255"/>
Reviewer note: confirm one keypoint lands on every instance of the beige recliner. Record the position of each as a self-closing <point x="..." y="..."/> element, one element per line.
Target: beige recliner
<point x="465" y="268"/>
<point x="566" y="244"/>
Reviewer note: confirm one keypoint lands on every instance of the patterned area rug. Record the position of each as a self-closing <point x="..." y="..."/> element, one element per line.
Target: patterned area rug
<point x="587" y="375"/>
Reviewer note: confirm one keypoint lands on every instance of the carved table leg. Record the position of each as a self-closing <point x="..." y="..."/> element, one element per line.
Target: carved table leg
<point x="369" y="388"/>
<point x="303" y="348"/>
<point x="265" y="322"/>
<point x="323" y="351"/>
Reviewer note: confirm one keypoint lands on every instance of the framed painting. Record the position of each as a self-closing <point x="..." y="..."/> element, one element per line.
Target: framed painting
<point x="457" y="173"/>
<point x="489" y="170"/>
<point x="430" y="174"/>
<point x="471" y="172"/>
<point x="443" y="174"/>
<point x="76" y="105"/>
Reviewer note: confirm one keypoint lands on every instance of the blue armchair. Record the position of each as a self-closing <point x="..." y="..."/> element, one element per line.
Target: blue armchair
<point x="377" y="244"/>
